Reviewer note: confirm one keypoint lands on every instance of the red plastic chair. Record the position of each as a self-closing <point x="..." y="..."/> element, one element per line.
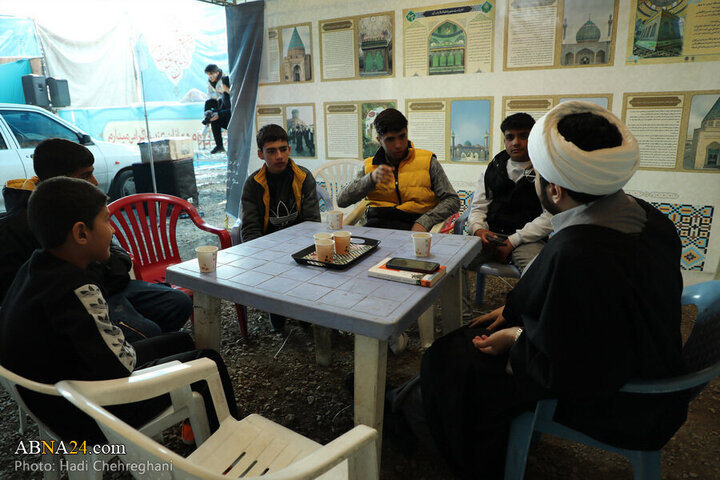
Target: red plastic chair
<point x="145" y="225"/>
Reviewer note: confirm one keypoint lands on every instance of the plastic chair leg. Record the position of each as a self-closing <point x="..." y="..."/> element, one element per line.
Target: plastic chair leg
<point x="518" y="446"/>
<point x="479" y="288"/>
<point x="22" y="418"/>
<point x="646" y="465"/>
<point x="242" y="319"/>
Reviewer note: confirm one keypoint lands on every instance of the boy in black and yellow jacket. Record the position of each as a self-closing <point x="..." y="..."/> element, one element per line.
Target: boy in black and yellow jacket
<point x="281" y="193"/>
<point x="278" y="195"/>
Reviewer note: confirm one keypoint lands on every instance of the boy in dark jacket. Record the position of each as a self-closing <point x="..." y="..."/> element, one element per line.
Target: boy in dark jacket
<point x="140" y="309"/>
<point x="278" y="195"/>
<point x="55" y="324"/>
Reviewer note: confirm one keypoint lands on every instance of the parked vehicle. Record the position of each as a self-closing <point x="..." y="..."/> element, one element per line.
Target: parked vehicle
<point x="22" y="127"/>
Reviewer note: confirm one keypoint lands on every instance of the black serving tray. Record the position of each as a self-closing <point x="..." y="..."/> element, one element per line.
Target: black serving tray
<point x="359" y="248"/>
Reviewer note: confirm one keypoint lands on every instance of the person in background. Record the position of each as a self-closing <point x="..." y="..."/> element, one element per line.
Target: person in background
<point x="217" y="107"/>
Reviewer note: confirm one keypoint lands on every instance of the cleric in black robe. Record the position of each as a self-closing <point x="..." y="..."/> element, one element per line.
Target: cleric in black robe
<point x="598" y="306"/>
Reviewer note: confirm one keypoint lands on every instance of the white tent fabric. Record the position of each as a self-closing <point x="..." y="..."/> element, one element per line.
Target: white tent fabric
<point x="97" y="61"/>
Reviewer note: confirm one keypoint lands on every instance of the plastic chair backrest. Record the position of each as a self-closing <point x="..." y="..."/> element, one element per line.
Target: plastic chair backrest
<point x="459" y="227"/>
<point x="145" y="225"/>
<point x="141" y="449"/>
<point x="335" y="175"/>
<point x="11" y="381"/>
<point x="702" y="348"/>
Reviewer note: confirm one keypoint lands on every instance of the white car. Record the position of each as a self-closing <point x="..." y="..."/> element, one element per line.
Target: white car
<point x="22" y="127"/>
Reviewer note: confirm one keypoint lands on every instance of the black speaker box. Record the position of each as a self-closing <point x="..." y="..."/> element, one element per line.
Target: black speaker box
<point x="35" y="90"/>
<point x="59" y="92"/>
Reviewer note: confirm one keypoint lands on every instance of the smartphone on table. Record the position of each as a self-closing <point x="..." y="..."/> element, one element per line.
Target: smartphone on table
<point x="412" y="265"/>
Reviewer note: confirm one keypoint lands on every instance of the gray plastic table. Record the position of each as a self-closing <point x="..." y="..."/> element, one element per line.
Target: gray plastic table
<point x="262" y="274"/>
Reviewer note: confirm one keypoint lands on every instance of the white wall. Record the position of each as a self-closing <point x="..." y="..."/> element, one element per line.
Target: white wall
<point x="672" y="187"/>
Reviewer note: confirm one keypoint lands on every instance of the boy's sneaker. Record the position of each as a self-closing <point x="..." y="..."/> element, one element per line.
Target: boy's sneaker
<point x="187" y="435"/>
<point x="217" y="150"/>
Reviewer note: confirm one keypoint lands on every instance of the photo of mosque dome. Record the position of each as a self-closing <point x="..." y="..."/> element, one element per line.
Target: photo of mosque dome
<point x="297" y="63"/>
<point x="702" y="145"/>
<point x="375" y="45"/>
<point x="587" y="32"/>
<point x="447" y="45"/>
<point x="470" y="130"/>
<point x="659" y="28"/>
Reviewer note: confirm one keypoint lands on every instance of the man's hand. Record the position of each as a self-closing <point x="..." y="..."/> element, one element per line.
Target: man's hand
<point x="418" y="228"/>
<point x="214" y="117"/>
<point x="496" y="343"/>
<point x="383" y="174"/>
<point x="502" y="252"/>
<point x="483" y="233"/>
<point x="495" y="317"/>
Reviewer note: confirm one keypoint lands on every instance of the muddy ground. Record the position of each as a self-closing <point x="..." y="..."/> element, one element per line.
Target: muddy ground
<point x="276" y="375"/>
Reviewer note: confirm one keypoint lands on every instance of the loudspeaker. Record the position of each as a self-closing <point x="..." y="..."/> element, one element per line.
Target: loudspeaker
<point x="59" y="92"/>
<point x="35" y="90"/>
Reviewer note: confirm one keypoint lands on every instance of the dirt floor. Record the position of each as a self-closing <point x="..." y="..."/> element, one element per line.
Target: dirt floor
<point x="276" y="375"/>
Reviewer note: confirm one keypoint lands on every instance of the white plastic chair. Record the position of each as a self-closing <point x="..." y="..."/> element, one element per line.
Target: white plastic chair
<point x="335" y="175"/>
<point x="248" y="448"/>
<point x="185" y="404"/>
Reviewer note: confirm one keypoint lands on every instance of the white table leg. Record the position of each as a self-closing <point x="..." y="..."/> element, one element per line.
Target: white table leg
<point x="426" y="327"/>
<point x="370" y="373"/>
<point x="206" y="321"/>
<point x="323" y="345"/>
<point x="451" y="301"/>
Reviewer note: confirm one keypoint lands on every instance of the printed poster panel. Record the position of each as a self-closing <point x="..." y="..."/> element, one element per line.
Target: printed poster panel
<point x="349" y="128"/>
<point x="287" y="55"/>
<point x="268" y="114"/>
<point x="449" y="39"/>
<point x="676" y="130"/>
<point x="559" y="33"/>
<point x="300" y="127"/>
<point x="456" y="130"/>
<point x="538" y="105"/>
<point x="671" y="31"/>
<point x="298" y="120"/>
<point x="357" y="47"/>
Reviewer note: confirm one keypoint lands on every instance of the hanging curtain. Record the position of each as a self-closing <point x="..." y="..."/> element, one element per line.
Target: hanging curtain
<point x="245" y="25"/>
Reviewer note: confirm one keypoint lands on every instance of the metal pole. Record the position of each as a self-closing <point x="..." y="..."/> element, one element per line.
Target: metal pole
<point x="141" y="64"/>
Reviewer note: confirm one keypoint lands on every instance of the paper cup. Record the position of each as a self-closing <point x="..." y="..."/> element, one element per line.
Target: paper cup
<point x="421" y="243"/>
<point x="324" y="249"/>
<point x="342" y="242"/>
<point x="207" y="258"/>
<point x="335" y="219"/>
<point x="322" y="236"/>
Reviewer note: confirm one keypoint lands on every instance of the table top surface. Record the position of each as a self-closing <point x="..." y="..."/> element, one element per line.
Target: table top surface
<point x="262" y="274"/>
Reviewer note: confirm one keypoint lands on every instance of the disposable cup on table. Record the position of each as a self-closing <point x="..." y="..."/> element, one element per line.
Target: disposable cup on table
<point x="335" y="219"/>
<point x="342" y="242"/>
<point x="207" y="258"/>
<point x="421" y="243"/>
<point x="324" y="250"/>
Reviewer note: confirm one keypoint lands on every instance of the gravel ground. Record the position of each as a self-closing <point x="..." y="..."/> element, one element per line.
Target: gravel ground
<point x="276" y="375"/>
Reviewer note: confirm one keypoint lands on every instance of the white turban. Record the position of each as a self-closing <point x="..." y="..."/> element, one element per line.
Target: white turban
<point x="599" y="172"/>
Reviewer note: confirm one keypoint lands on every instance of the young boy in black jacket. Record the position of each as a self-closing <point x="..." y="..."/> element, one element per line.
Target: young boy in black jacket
<point x="54" y="323"/>
<point x="278" y="195"/>
<point x="141" y="309"/>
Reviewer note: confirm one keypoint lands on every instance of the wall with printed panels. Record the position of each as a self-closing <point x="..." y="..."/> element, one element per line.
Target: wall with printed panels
<point x="690" y="199"/>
